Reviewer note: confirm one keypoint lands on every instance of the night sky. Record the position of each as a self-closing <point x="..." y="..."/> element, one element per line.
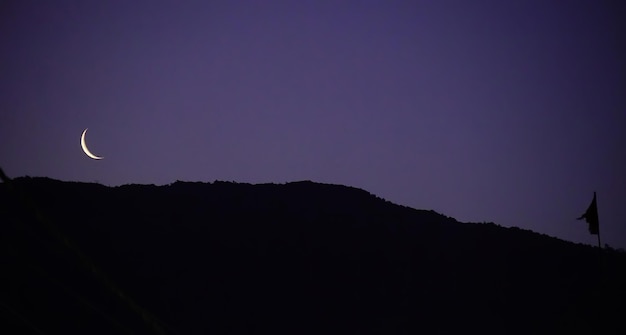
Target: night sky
<point x="506" y="111"/>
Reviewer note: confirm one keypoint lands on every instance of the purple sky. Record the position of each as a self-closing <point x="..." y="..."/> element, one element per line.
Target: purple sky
<point x="505" y="111"/>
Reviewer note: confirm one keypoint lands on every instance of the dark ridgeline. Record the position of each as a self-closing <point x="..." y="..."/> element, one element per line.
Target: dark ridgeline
<point x="296" y="258"/>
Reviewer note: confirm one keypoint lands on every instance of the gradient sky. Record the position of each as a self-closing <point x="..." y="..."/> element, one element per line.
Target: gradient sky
<point x="505" y="111"/>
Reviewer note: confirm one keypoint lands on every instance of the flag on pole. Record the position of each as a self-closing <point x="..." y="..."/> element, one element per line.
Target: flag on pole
<point x="591" y="216"/>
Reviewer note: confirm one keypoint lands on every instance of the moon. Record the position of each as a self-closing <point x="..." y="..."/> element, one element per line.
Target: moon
<point x="84" y="146"/>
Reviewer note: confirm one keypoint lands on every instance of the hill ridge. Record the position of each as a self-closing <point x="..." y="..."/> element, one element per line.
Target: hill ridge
<point x="323" y="257"/>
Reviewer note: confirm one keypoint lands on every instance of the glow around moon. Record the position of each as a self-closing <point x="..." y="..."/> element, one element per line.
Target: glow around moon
<point x="84" y="146"/>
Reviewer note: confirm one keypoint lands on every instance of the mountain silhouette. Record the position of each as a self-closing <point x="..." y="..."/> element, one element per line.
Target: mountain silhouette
<point x="294" y="258"/>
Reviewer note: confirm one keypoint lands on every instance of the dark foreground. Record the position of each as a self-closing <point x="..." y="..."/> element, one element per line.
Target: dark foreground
<point x="299" y="258"/>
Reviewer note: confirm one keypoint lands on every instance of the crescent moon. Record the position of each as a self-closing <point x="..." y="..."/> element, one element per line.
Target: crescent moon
<point x="84" y="146"/>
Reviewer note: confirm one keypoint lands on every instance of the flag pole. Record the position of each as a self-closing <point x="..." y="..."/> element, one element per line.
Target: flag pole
<point x="601" y="258"/>
<point x="598" y="219"/>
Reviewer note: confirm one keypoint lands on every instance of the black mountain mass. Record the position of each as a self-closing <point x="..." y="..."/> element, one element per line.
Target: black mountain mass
<point x="294" y="258"/>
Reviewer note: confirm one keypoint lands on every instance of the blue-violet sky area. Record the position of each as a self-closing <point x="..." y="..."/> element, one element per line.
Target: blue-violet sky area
<point x="512" y="112"/>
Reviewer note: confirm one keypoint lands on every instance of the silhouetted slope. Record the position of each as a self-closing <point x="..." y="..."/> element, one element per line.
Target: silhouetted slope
<point x="299" y="258"/>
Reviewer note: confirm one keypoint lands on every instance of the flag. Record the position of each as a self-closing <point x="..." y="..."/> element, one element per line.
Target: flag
<point x="591" y="216"/>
